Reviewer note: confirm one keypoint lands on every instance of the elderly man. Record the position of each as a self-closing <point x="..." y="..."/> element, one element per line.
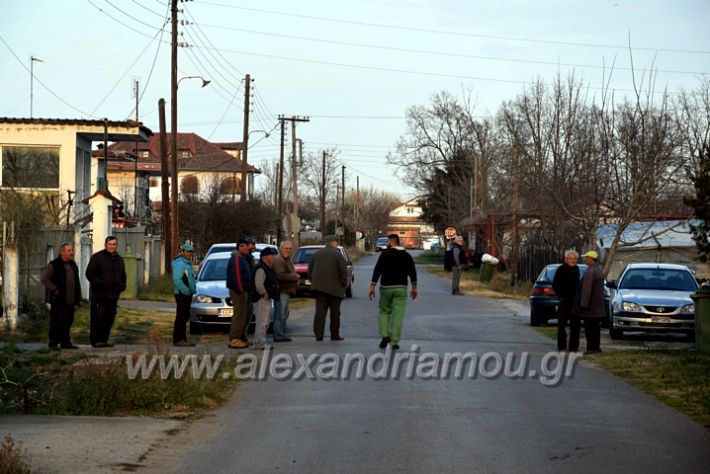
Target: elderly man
<point x="458" y="265"/>
<point x="288" y="284"/>
<point x="106" y="273"/>
<point x="565" y="284"/>
<point x="329" y="277"/>
<point x="61" y="279"/>
<point x="591" y="301"/>
<point x="266" y="287"/>
<point x="239" y="282"/>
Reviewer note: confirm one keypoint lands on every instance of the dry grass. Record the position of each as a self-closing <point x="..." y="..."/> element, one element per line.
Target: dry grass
<point x="499" y="286"/>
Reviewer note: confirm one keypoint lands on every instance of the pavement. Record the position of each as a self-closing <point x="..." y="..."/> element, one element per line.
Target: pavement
<point x="589" y="422"/>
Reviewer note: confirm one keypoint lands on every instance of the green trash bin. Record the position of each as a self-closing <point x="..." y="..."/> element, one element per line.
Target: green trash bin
<point x="486" y="273"/>
<point x="131" y="263"/>
<point x="702" y="319"/>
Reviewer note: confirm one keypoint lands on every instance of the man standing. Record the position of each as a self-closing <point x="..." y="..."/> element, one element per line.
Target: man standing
<point x="565" y="284"/>
<point x="61" y="279"/>
<point x="267" y="288"/>
<point x="458" y="265"/>
<point x="184" y="288"/>
<point x="107" y="278"/>
<point x="591" y="301"/>
<point x="329" y="277"/>
<point x="288" y="284"/>
<point x="395" y="265"/>
<point x="239" y="282"/>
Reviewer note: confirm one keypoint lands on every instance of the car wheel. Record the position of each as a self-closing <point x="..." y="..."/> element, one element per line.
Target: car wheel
<point x="195" y="328"/>
<point x="349" y="291"/>
<point x="535" y="319"/>
<point x="614" y="333"/>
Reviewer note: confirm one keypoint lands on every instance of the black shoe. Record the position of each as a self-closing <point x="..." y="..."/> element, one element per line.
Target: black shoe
<point x="395" y="347"/>
<point x="184" y="344"/>
<point x="384" y="342"/>
<point x="98" y="345"/>
<point x="593" y="351"/>
<point x="337" y="338"/>
<point x="54" y="347"/>
<point x="283" y="339"/>
<point x="69" y="346"/>
<point x="319" y="339"/>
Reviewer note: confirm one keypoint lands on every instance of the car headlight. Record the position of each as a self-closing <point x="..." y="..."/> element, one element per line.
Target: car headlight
<point x="689" y="308"/>
<point x="203" y="299"/>
<point x="629" y="306"/>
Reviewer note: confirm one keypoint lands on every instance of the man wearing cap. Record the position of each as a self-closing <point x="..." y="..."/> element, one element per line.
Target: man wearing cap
<point x="591" y="301"/>
<point x="239" y="282"/>
<point x="329" y="277"/>
<point x="267" y="289"/>
<point x="184" y="288"/>
<point x="458" y="265"/>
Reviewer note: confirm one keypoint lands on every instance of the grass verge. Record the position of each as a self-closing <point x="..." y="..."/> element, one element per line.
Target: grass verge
<point x="498" y="287"/>
<point x="76" y="383"/>
<point x="430" y="257"/>
<point x="158" y="289"/>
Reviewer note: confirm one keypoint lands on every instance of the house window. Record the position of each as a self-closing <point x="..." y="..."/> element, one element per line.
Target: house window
<point x="154" y="182"/>
<point x="30" y="167"/>
<point x="184" y="154"/>
<point x="145" y="154"/>
<point x="230" y="186"/>
<point x="190" y="185"/>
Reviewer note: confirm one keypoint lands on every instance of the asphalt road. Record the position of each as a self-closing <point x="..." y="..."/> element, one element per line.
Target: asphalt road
<point x="589" y="422"/>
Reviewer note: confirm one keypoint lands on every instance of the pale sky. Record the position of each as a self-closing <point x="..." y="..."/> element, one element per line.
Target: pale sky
<point x="353" y="67"/>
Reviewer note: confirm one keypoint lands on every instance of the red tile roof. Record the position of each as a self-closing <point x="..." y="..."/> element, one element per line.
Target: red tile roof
<point x="204" y="155"/>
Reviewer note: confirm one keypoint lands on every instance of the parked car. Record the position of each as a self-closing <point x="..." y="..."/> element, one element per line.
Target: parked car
<point x="211" y="305"/>
<point x="653" y="297"/>
<point x="544" y="303"/>
<point x="381" y="244"/>
<point x="300" y="262"/>
<point x="231" y="246"/>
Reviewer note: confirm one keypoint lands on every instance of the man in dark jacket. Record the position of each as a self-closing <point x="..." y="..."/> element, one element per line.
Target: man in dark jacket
<point x="458" y="265"/>
<point x="61" y="279"/>
<point x="329" y="277"/>
<point x="239" y="282"/>
<point x="395" y="265"/>
<point x="565" y="285"/>
<point x="266" y="288"/>
<point x="591" y="301"/>
<point x="107" y="278"/>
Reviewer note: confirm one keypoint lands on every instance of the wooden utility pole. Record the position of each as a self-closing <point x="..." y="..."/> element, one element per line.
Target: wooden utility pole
<point x="357" y="202"/>
<point x="165" y="197"/>
<point x="280" y="199"/>
<point x="245" y="137"/>
<point x="293" y="121"/>
<point x="173" y="243"/>
<point x="294" y="234"/>
<point x="323" y="224"/>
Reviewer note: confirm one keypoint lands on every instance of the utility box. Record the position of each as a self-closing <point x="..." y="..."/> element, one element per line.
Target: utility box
<point x="131" y="263"/>
<point x="702" y="319"/>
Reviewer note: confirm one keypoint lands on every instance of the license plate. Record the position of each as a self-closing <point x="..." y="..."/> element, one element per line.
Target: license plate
<point x="661" y="320"/>
<point x="226" y="312"/>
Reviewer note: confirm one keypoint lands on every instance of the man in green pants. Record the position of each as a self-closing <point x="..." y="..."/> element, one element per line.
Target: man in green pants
<point x="394" y="266"/>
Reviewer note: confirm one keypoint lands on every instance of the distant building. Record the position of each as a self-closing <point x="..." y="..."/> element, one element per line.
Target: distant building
<point x="406" y="221"/>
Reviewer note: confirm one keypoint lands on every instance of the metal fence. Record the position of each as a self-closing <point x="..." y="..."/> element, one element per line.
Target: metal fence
<point x="533" y="259"/>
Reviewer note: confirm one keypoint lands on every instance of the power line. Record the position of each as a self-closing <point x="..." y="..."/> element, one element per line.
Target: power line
<point x="454" y="33"/>
<point x="434" y="53"/>
<point x="213" y="71"/>
<point x="42" y="83"/>
<point x="131" y="16"/>
<point x="148" y="9"/>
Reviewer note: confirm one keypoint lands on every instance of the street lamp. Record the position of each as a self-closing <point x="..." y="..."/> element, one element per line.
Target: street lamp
<point x="174" y="164"/>
<point x="32" y="79"/>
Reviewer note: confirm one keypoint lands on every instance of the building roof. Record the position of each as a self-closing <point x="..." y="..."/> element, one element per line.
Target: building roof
<point x="204" y="155"/>
<point x="143" y="130"/>
<point x="652" y="234"/>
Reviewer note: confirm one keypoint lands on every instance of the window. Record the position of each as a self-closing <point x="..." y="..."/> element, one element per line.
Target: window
<point x="190" y="185"/>
<point x="230" y="186"/>
<point x="145" y="154"/>
<point x="184" y="154"/>
<point x="154" y="182"/>
<point x="30" y="167"/>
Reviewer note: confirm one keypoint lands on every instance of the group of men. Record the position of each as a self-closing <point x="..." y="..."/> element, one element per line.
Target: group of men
<point x="257" y="288"/>
<point x="107" y="280"/>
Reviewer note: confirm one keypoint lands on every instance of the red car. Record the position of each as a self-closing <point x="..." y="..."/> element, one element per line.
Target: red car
<point x="303" y="256"/>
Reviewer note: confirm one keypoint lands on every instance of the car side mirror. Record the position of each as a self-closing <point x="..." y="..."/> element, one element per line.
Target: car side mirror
<point x="611" y="284"/>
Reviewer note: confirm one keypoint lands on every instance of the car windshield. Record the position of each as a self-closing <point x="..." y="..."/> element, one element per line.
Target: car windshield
<point x="304" y="255"/>
<point x="549" y="273"/>
<point x="221" y="248"/>
<point x="658" y="279"/>
<point x="214" y="269"/>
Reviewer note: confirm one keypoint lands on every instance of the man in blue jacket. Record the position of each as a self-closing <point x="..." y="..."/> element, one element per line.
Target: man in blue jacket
<point x="184" y="288"/>
<point x="239" y="282"/>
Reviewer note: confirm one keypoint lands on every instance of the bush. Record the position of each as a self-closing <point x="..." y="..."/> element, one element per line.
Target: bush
<point x="11" y="458"/>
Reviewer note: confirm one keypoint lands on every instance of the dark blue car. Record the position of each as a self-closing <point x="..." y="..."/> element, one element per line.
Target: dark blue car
<point x="543" y="300"/>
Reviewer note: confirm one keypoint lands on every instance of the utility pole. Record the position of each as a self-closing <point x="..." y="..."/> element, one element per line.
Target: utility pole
<point x="280" y="200"/>
<point x="323" y="224"/>
<point x="245" y="139"/>
<point x="173" y="132"/>
<point x="294" y="188"/>
<point x="293" y="121"/>
<point x="135" y="164"/>
<point x="342" y="198"/>
<point x="165" y="197"/>
<point x="32" y="81"/>
<point x="357" y="202"/>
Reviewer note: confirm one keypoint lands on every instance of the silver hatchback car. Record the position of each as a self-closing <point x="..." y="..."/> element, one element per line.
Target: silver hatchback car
<point x="653" y="297"/>
<point x="211" y="305"/>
